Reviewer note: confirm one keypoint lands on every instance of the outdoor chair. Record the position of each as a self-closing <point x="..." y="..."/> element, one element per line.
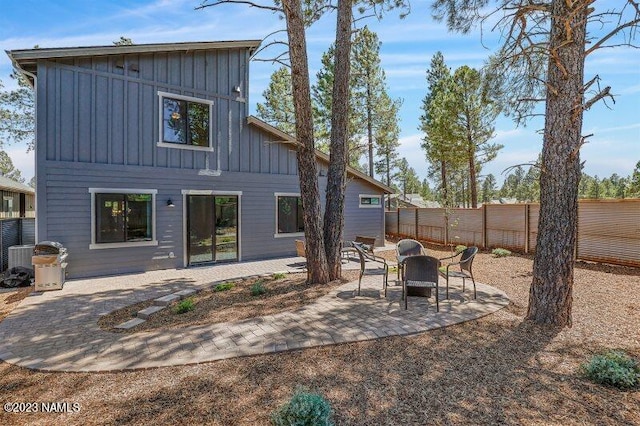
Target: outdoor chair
<point x="368" y="243"/>
<point x="406" y="248"/>
<point x="366" y="257"/>
<point x="300" y="248"/>
<point x="420" y="277"/>
<point x="465" y="262"/>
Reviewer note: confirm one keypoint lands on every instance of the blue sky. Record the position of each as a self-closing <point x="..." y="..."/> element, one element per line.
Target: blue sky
<point x="407" y="48"/>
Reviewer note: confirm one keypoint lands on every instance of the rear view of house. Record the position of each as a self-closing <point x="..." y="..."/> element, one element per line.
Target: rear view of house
<point x="147" y="158"/>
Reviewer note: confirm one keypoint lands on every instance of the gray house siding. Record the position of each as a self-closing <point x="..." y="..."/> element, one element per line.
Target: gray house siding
<point x="98" y="127"/>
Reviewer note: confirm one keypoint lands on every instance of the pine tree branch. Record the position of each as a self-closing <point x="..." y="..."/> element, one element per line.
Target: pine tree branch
<point x="599" y="43"/>
<point x="204" y="5"/>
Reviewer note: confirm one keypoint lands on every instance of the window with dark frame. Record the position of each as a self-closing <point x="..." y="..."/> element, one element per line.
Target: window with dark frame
<point x="369" y="201"/>
<point x="185" y="122"/>
<point x="290" y="217"/>
<point x="122" y="218"/>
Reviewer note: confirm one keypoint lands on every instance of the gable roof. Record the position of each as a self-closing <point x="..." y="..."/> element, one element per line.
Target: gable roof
<point x="12" y="185"/>
<point x="288" y="139"/>
<point x="26" y="59"/>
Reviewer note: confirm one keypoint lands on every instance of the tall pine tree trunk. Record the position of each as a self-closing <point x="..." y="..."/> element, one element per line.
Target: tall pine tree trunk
<point x="550" y="296"/>
<point x="370" y="128"/>
<point x="317" y="266"/>
<point x="443" y="178"/>
<point x="473" y="187"/>
<point x="336" y="176"/>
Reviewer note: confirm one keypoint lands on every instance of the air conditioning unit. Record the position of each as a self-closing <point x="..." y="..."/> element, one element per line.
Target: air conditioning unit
<point x="20" y="256"/>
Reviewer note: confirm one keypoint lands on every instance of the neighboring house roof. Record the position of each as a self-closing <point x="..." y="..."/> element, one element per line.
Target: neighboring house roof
<point x="26" y="59"/>
<point x="286" y="138"/>
<point x="11" y="185"/>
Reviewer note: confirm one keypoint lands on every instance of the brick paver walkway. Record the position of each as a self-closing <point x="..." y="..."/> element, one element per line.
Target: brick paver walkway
<point x="58" y="331"/>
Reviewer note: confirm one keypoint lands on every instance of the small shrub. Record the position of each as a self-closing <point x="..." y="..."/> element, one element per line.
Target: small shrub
<point x="258" y="288"/>
<point x="613" y="368"/>
<point x="223" y="286"/>
<point x="304" y="409"/>
<point x="279" y="275"/>
<point x="460" y="248"/>
<point x="184" y="306"/>
<point x="500" y="252"/>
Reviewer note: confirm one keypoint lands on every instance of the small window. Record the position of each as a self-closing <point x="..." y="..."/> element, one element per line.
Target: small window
<point x="185" y="122"/>
<point x="122" y="219"/>
<point x="367" y="201"/>
<point x="289" y="214"/>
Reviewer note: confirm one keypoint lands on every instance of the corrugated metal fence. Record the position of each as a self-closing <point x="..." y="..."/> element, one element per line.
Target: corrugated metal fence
<point x="608" y="231"/>
<point x="14" y="232"/>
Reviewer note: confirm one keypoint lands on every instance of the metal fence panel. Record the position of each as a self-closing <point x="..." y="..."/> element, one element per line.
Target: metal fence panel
<point x="408" y="222"/>
<point x="9" y="236"/>
<point x="28" y="231"/>
<point x="391" y="222"/>
<point x="534" y="215"/>
<point x="431" y="225"/>
<point x="506" y="226"/>
<point x="465" y="227"/>
<point x="609" y="232"/>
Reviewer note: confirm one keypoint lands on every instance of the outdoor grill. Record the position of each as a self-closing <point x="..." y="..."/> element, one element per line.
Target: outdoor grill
<point x="49" y="264"/>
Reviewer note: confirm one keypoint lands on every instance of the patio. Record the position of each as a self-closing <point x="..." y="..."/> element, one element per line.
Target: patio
<point x="58" y="331"/>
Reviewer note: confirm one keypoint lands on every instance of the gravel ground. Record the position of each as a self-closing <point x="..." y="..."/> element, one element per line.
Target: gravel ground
<point x="497" y="370"/>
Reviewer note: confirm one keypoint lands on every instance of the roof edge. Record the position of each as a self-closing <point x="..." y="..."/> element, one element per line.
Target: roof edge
<point x="286" y="138"/>
<point x="25" y="55"/>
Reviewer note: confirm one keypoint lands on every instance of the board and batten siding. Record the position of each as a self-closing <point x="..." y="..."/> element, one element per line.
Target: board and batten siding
<point x="98" y="124"/>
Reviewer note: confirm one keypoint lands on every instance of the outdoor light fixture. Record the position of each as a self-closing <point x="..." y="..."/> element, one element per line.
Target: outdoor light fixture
<point x="170" y="203"/>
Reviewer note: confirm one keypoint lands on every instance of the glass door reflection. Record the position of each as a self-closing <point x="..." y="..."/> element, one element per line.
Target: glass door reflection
<point x="212" y="228"/>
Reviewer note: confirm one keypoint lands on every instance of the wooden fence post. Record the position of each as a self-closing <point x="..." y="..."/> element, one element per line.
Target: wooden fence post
<point x="398" y="221"/>
<point x="416" y="220"/>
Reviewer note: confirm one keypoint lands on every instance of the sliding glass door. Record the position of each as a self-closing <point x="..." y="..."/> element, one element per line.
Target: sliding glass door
<point x="212" y="227"/>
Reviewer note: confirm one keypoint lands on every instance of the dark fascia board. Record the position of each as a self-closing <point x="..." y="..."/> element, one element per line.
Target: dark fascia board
<point x="286" y="138"/>
<point x="26" y="57"/>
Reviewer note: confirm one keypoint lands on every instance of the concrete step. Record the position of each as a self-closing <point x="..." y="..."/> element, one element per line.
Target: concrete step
<point x="130" y="324"/>
<point x="166" y="300"/>
<point x="185" y="293"/>
<point x="146" y="313"/>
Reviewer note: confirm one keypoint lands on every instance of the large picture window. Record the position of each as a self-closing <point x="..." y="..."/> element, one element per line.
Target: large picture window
<point x="289" y="214"/>
<point x="122" y="218"/>
<point x="185" y="122"/>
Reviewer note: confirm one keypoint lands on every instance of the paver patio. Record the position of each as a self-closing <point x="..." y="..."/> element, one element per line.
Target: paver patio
<point x="58" y="330"/>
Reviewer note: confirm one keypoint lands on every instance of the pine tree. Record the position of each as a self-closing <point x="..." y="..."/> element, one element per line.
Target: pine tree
<point x="277" y="109"/>
<point x="7" y="168"/>
<point x="386" y="134"/>
<point x="488" y="188"/>
<point x="17" y="113"/>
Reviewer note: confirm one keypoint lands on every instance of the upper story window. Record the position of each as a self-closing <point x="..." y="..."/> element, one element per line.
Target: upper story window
<point x="185" y="122"/>
<point x="122" y="217"/>
<point x="289" y="217"/>
<point x="370" y="201"/>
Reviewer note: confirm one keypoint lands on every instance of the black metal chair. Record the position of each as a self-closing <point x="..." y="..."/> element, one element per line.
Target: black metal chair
<point x="365" y="257"/>
<point x="465" y="263"/>
<point x="420" y="277"/>
<point x="405" y="248"/>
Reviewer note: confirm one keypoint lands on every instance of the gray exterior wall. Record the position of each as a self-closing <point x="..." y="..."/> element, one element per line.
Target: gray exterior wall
<point x="98" y="128"/>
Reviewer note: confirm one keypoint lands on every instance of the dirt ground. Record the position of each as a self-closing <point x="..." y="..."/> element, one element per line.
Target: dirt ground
<point x="496" y="370"/>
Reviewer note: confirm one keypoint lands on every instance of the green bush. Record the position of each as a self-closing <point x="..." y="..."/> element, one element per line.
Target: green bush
<point x="279" y="275"/>
<point x="613" y="368"/>
<point x="223" y="286"/>
<point x="500" y="252"/>
<point x="460" y="248"/>
<point x="258" y="288"/>
<point x="304" y="409"/>
<point x="184" y="306"/>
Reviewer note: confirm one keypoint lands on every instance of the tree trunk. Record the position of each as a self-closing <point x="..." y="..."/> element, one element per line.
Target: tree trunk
<point x="443" y="177"/>
<point x="370" y="127"/>
<point x="388" y="161"/>
<point x="473" y="188"/>
<point x="336" y="176"/>
<point x="317" y="268"/>
<point x="550" y="296"/>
